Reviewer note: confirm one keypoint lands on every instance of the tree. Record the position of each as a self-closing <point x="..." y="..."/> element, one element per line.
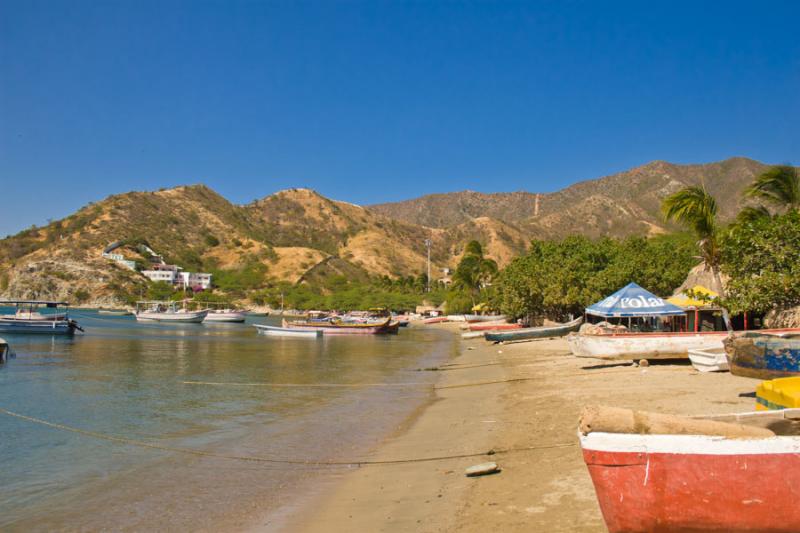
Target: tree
<point x="762" y="260"/>
<point x="779" y="186"/>
<point x="474" y="272"/>
<point x="696" y="209"/>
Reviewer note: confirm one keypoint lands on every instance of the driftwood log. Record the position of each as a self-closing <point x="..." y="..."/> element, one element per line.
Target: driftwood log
<point x="617" y="420"/>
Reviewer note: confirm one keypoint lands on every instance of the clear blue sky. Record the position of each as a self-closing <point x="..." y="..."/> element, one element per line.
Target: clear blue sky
<point x="380" y="101"/>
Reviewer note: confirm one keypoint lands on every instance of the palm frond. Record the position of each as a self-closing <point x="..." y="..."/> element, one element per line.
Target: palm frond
<point x="779" y="185"/>
<point x="692" y="207"/>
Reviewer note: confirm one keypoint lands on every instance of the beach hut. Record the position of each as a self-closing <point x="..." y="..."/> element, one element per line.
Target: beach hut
<point x="638" y="309"/>
<point x="704" y="314"/>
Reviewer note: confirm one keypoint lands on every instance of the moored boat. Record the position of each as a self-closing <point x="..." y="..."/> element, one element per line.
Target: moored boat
<point x="337" y="327"/>
<point x="482" y="318"/>
<point x="277" y="331"/>
<point x="225" y="315"/>
<point x="765" y="354"/>
<point x="709" y="360"/>
<point x="540" y="332"/>
<point x="168" y="312"/>
<point x="685" y="480"/>
<point x="28" y="319"/>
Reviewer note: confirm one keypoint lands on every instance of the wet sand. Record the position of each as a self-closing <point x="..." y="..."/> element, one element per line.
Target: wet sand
<point x="544" y="484"/>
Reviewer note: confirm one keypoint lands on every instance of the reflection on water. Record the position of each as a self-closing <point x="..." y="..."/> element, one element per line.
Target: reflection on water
<point x="128" y="379"/>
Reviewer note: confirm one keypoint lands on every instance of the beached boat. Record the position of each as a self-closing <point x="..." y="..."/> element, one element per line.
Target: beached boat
<point x="481" y="318"/>
<point x="765" y="354"/>
<point x="27" y="318"/>
<point x="435" y="320"/>
<point x="540" y="332"/>
<point x="472" y="335"/>
<point x="336" y="327"/>
<point x="709" y="360"/>
<point x="277" y="331"/>
<point x="168" y="312"/>
<point x="493" y="326"/>
<point x="630" y="346"/>
<point x="699" y="482"/>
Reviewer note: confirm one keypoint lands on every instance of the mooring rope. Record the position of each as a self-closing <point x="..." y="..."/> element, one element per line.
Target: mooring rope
<point x="189" y="451"/>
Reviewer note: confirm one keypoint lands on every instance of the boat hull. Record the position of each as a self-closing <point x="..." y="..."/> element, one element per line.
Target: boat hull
<point x="45" y="327"/>
<point x="694" y="483"/>
<point x="631" y="346"/>
<point x="763" y="356"/>
<point x="491" y="326"/>
<point x="709" y="360"/>
<point x="194" y="317"/>
<point x="541" y="332"/>
<point x="328" y="328"/>
<point x="226" y="317"/>
<point x="276" y="331"/>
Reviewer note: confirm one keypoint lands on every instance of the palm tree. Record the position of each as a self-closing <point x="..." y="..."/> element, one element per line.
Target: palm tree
<point x="474" y="271"/>
<point x="696" y="209"/>
<point x="779" y="185"/>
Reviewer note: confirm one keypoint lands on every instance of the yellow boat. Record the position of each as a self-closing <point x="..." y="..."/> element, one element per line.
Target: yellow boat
<point x="780" y="393"/>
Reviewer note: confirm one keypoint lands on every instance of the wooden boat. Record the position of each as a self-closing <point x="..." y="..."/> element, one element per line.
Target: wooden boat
<point x="28" y="319"/>
<point x="699" y="482"/>
<point x="472" y="335"/>
<point x="435" y="320"/>
<point x="168" y="312"/>
<point x="540" y="332"/>
<point x="630" y="346"/>
<point x="765" y="354"/>
<point x="277" y="331"/>
<point x="493" y="326"/>
<point x="334" y="327"/>
<point x="709" y="360"/>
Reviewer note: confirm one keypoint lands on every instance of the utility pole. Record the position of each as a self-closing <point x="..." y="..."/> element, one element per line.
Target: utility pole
<point x="428" y="244"/>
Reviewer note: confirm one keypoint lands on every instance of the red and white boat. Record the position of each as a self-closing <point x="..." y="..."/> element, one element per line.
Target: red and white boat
<point x="699" y="483"/>
<point x="435" y="320"/>
<point x="493" y="326"/>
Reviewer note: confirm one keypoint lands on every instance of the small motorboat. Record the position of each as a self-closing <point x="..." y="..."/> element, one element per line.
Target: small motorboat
<point x="115" y="312"/>
<point x="732" y="473"/>
<point x="713" y="360"/>
<point x="159" y="311"/>
<point x="335" y="326"/>
<point x="277" y="331"/>
<point x="28" y="318"/>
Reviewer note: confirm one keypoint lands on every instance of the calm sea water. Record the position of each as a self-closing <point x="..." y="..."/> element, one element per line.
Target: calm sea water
<point x="127" y="379"/>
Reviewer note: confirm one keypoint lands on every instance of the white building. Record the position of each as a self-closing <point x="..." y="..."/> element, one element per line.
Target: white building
<point x="169" y="276"/>
<point x="195" y="279"/>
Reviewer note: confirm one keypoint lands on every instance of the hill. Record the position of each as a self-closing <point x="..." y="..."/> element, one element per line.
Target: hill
<point x="297" y="235"/>
<point x="622" y="204"/>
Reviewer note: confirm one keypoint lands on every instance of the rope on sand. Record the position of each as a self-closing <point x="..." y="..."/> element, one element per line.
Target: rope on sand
<point x="189" y="451"/>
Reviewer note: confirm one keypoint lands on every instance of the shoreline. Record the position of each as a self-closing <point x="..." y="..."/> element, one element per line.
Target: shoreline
<point x="543" y="484"/>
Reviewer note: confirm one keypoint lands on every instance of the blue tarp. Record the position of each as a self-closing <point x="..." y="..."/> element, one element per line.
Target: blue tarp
<point x="632" y="300"/>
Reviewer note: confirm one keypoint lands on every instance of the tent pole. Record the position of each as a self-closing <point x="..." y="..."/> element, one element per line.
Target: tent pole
<point x="696" y="318"/>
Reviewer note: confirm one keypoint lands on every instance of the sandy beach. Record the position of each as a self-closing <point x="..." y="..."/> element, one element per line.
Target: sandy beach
<point x="523" y="401"/>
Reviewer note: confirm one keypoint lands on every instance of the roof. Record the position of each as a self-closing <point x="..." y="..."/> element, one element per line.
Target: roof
<point x="633" y="300"/>
<point x="684" y="300"/>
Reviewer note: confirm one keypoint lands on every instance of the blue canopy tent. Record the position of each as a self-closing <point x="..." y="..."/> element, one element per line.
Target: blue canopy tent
<point x="633" y="301"/>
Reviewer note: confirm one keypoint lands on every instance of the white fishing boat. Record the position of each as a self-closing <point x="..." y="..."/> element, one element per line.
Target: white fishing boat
<point x="159" y="311"/>
<point x="632" y="346"/>
<point x="27" y="318"/>
<point x="277" y="331"/>
<point x="709" y="360"/>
